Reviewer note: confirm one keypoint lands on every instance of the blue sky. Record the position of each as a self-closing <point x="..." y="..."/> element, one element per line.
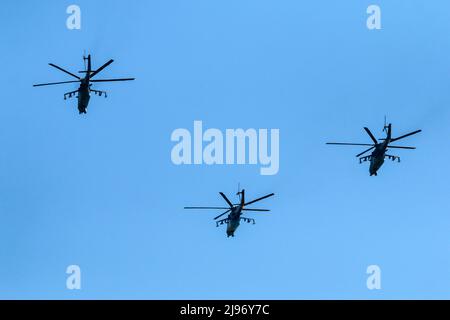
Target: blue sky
<point x="100" y="190"/>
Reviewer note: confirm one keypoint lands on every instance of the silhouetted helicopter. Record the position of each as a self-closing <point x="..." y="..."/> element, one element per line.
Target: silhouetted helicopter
<point x="85" y="87"/>
<point x="377" y="157"/>
<point x="236" y="211"/>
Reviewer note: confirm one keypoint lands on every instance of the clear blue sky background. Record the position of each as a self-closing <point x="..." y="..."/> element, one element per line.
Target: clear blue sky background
<point x="100" y="190"/>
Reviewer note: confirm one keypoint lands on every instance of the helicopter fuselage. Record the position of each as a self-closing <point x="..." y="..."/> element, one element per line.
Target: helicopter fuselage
<point x="83" y="95"/>
<point x="377" y="157"/>
<point x="234" y="219"/>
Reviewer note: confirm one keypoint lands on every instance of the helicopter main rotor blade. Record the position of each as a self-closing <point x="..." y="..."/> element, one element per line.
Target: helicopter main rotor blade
<point x="53" y="83"/>
<point x="101" y="68"/>
<point x="63" y="70"/>
<point x="360" y="154"/>
<point x="222" y="214"/>
<point x="258" y="210"/>
<point x="108" y="80"/>
<point x="406" y="135"/>
<point x="349" y="144"/>
<point x="226" y="199"/>
<point x="398" y="147"/>
<point x="253" y="201"/>
<point x="224" y="208"/>
<point x="371" y="135"/>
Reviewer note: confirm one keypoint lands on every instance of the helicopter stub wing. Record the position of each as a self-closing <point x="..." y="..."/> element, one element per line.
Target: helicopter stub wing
<point x="223" y="221"/>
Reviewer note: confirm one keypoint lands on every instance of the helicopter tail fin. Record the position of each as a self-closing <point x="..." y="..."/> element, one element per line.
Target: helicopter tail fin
<point x="388" y="129"/>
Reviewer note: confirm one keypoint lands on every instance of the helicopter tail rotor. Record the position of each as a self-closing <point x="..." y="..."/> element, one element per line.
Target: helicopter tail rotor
<point x="388" y="129"/>
<point x="84" y="60"/>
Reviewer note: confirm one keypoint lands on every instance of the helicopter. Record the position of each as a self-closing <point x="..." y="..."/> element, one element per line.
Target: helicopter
<point x="235" y="211"/>
<point x="378" y="155"/>
<point x="83" y="92"/>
